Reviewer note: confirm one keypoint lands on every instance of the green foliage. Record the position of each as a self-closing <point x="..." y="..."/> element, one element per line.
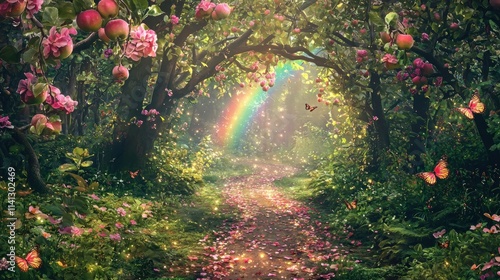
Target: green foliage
<point x="78" y="156"/>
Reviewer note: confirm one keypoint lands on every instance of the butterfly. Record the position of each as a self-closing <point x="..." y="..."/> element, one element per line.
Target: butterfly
<point x="32" y="259"/>
<point x="310" y="108"/>
<point x="133" y="174"/>
<point x="475" y="107"/>
<point x="445" y="244"/>
<point x="351" y="205"/>
<point x="441" y="171"/>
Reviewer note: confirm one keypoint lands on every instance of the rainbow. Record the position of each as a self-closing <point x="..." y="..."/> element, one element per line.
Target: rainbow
<point x="232" y="126"/>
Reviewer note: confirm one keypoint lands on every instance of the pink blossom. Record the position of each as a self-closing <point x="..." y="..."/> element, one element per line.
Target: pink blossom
<point x="4" y="122"/>
<point x="121" y="211"/>
<point x="362" y="53"/>
<point x="54" y="221"/>
<point x="439" y="233"/>
<point x="102" y="234"/>
<point x="375" y="118"/>
<point x="7" y="6"/>
<point x="133" y="222"/>
<point x="73" y="230"/>
<point x="119" y="225"/>
<point x="33" y="7"/>
<point x="61" y="102"/>
<point x="94" y="197"/>
<point x="115" y="237"/>
<point x="389" y="58"/>
<point x="204" y="8"/>
<point x="126" y="205"/>
<point x="174" y="19"/>
<point x="474" y="227"/>
<point x="139" y="123"/>
<point x="25" y="89"/>
<point x="55" y="42"/>
<point x="142" y="43"/>
<point x="425" y="37"/>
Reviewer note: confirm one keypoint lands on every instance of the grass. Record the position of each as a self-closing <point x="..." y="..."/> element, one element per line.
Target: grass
<point x="296" y="186"/>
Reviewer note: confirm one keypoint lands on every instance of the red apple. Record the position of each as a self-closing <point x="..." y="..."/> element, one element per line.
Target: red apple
<point x="117" y="29"/>
<point x="437" y="17"/>
<point x="221" y="11"/>
<point x="66" y="50"/>
<point x="427" y="69"/>
<point x="108" y="8"/>
<point x="404" y="41"/>
<point x="120" y="72"/>
<point x="12" y="9"/>
<point x="89" y="20"/>
<point x="386" y="38"/>
<point x="495" y="4"/>
<point x="37" y="117"/>
<point x="102" y="35"/>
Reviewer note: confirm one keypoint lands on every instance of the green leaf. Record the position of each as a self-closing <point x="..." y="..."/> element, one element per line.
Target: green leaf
<point x="154" y="11"/>
<point x="375" y="18"/>
<point x="55" y="210"/>
<point x="30" y="56"/>
<point x="82" y="5"/>
<point x="81" y="182"/>
<point x="390" y="17"/>
<point x="66" y="10"/>
<point x="10" y="54"/>
<point x="87" y="163"/>
<point x="39" y="88"/>
<point x="78" y="151"/>
<point x="67" y="167"/>
<point x="50" y="16"/>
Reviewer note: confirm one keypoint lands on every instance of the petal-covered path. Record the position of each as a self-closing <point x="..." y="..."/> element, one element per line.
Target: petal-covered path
<point x="276" y="238"/>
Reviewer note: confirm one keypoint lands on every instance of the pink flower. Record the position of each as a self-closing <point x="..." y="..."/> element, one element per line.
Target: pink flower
<point x="4" y="122"/>
<point x="6" y="7"/>
<point x="439" y="233"/>
<point x="73" y="230"/>
<point x="119" y="225"/>
<point x="61" y="102"/>
<point x="425" y="37"/>
<point x="94" y="197"/>
<point x="139" y="123"/>
<point x="33" y="7"/>
<point x="362" y="53"/>
<point x="102" y="234"/>
<point x="26" y="88"/>
<point x="133" y="222"/>
<point x="375" y="118"/>
<point x="54" y="221"/>
<point x="389" y="58"/>
<point x="204" y="8"/>
<point x="439" y="81"/>
<point x="121" y="211"/>
<point x="58" y="45"/>
<point x="174" y="19"/>
<point x="115" y="237"/>
<point x="476" y="226"/>
<point x="142" y="43"/>
<point x="126" y="205"/>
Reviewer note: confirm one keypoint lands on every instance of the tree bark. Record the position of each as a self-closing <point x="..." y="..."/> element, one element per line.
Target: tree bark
<point x="418" y="131"/>
<point x="35" y="180"/>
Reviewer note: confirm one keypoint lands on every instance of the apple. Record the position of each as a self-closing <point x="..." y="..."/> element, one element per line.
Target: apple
<point x="386" y="38"/>
<point x="89" y="20"/>
<point x="437" y="17"/>
<point x="221" y="11"/>
<point x="66" y="51"/>
<point x="427" y="69"/>
<point x="117" y="29"/>
<point x="108" y="8"/>
<point x="102" y="35"/>
<point x="120" y="72"/>
<point x="495" y="4"/>
<point x="404" y="41"/>
<point x="13" y="9"/>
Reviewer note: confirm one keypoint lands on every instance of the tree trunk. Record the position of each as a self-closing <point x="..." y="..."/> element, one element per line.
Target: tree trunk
<point x="35" y="180"/>
<point x="418" y="131"/>
<point x="380" y="137"/>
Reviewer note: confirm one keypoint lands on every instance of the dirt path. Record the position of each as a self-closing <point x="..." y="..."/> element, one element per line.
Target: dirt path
<point x="276" y="237"/>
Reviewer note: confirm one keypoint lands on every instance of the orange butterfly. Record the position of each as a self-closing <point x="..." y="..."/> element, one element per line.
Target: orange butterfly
<point x="310" y="108"/>
<point x="475" y="107"/>
<point x="441" y="171"/>
<point x="351" y="205"/>
<point x="133" y="174"/>
<point x="32" y="259"/>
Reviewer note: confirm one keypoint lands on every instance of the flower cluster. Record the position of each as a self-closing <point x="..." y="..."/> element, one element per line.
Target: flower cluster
<point x="61" y="102"/>
<point x="419" y="72"/>
<point x="142" y="43"/>
<point x="390" y="61"/>
<point x="4" y="122"/>
<point x="58" y="45"/>
<point x="174" y="19"/>
<point x="26" y="89"/>
<point x="204" y="8"/>
<point x="33" y="7"/>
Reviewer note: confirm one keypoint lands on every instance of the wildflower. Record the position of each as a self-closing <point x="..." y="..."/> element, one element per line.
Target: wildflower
<point x="73" y="230"/>
<point x="58" y="45"/>
<point x="5" y="123"/>
<point x="425" y="37"/>
<point x="439" y="233"/>
<point x="139" y="123"/>
<point x="126" y="205"/>
<point x="142" y="43"/>
<point x="108" y="53"/>
<point x="94" y="197"/>
<point x="174" y="19"/>
<point x="115" y="237"/>
<point x="375" y="118"/>
<point x="4" y="264"/>
<point x="121" y="211"/>
<point x="133" y="222"/>
<point x="119" y="225"/>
